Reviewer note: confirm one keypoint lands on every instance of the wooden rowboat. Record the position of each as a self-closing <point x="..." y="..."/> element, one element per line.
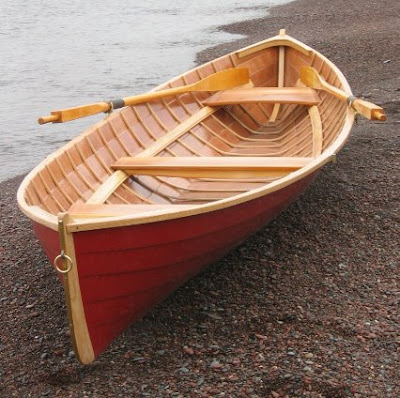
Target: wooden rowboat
<point x="146" y="198"/>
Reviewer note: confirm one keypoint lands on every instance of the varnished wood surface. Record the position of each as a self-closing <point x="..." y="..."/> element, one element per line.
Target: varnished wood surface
<point x="283" y="120"/>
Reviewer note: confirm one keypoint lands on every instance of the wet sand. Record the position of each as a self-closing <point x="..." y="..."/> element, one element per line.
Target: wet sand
<point x="308" y="307"/>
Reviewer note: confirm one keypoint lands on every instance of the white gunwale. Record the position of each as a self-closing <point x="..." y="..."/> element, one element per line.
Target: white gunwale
<point x="75" y="225"/>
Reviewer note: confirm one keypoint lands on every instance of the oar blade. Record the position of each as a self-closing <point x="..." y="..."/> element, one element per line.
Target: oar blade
<point x="310" y="77"/>
<point x="224" y="80"/>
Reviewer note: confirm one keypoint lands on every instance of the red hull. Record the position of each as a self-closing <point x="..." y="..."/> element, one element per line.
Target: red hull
<point x="125" y="271"/>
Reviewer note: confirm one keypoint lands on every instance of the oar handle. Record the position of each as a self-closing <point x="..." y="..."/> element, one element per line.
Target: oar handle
<point x="48" y="119"/>
<point x="368" y="109"/>
<point x="65" y="115"/>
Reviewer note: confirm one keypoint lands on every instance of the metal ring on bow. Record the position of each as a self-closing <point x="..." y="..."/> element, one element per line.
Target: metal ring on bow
<point x="63" y="256"/>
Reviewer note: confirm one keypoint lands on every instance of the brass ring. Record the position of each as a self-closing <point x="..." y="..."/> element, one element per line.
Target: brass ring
<point x="63" y="256"/>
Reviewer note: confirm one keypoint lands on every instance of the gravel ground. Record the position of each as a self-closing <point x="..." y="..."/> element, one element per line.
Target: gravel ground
<point x="308" y="307"/>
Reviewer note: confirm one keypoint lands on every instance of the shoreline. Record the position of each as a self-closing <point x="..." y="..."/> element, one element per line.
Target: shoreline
<point x="308" y="307"/>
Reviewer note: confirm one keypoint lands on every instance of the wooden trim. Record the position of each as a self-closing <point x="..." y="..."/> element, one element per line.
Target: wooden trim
<point x="282" y="95"/>
<point x="76" y="313"/>
<point x="275" y="42"/>
<point x="83" y="210"/>
<point x="316" y="124"/>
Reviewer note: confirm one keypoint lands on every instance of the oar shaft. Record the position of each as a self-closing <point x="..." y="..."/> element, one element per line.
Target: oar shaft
<point x="154" y="95"/>
<point x="48" y="119"/>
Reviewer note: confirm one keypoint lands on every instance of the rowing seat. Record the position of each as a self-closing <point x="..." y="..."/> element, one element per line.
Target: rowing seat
<point x="215" y="167"/>
<point x="276" y="95"/>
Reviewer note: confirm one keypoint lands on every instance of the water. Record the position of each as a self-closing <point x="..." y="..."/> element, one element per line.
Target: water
<point x="58" y="54"/>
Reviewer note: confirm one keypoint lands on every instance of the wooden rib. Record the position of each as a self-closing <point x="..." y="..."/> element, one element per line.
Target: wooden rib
<point x="232" y="153"/>
<point x="97" y="156"/>
<point x="316" y="130"/>
<point x="57" y="184"/>
<point x="130" y="129"/>
<point x="252" y="117"/>
<point x="122" y="143"/>
<point x="42" y="198"/>
<point x="142" y="198"/>
<point x="276" y="131"/>
<point x="48" y="190"/>
<point x="78" y="172"/>
<point x="106" y="144"/>
<point x="65" y="175"/>
<point x="143" y="124"/>
<point x="29" y="196"/>
<point x="157" y="118"/>
<point x="200" y="185"/>
<point x="250" y="143"/>
<point x="85" y="161"/>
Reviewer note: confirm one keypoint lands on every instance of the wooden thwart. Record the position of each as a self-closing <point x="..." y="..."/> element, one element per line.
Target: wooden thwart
<point x="218" y="167"/>
<point x="281" y="95"/>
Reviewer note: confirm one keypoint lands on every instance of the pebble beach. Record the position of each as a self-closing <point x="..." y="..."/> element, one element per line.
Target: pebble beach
<point x="308" y="307"/>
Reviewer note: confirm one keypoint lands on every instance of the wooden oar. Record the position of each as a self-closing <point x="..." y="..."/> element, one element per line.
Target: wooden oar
<point x="223" y="80"/>
<point x="310" y="77"/>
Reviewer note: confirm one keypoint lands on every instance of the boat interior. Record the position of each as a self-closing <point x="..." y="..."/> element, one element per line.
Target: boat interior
<point x="197" y="147"/>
